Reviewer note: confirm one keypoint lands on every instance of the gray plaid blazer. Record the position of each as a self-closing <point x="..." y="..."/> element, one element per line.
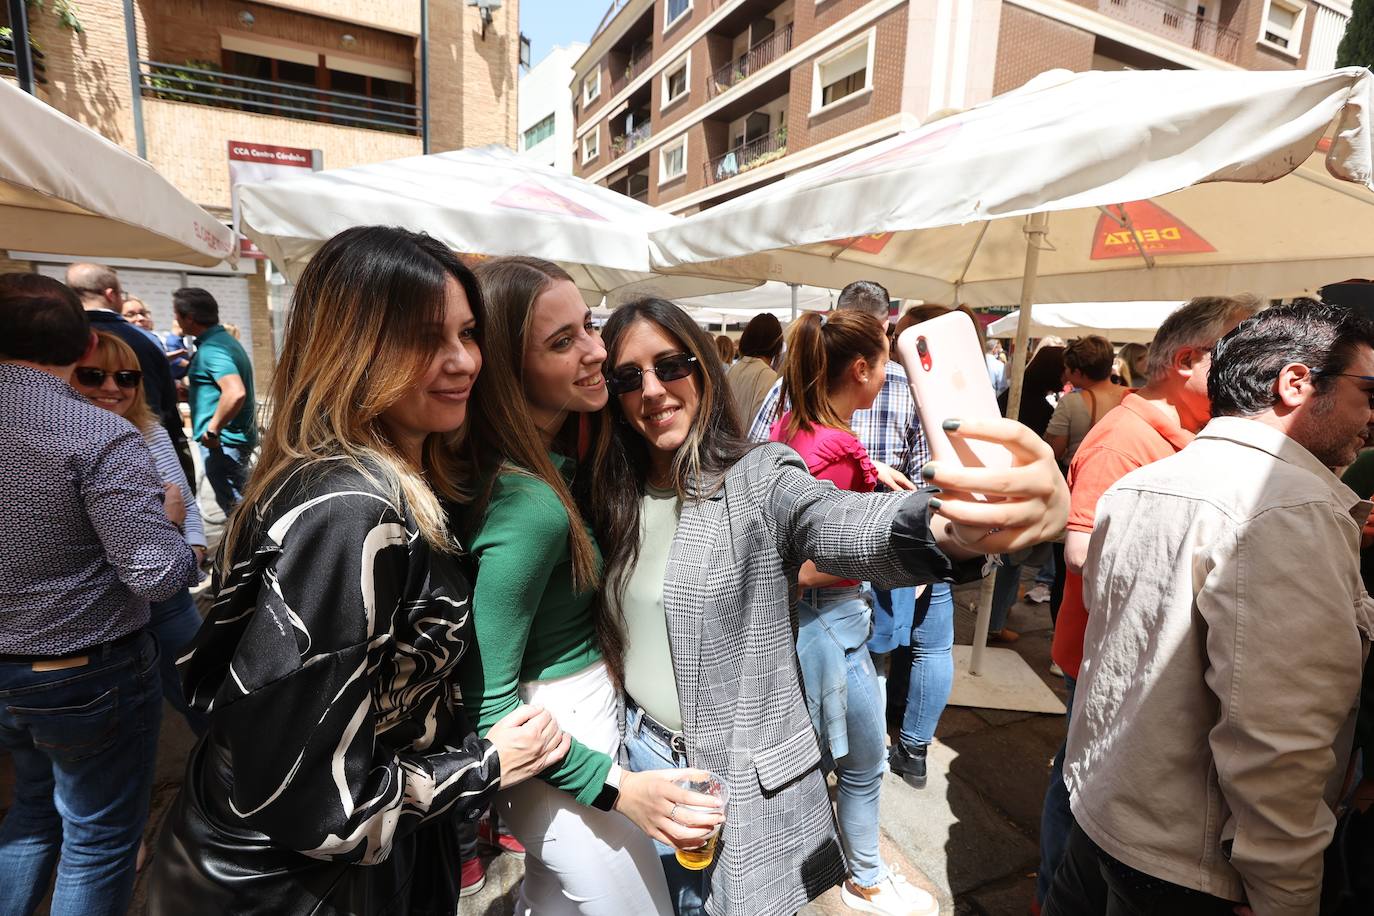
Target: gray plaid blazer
<point x="728" y="595"/>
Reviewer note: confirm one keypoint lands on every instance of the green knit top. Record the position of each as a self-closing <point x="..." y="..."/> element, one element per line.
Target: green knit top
<point x="530" y="624"/>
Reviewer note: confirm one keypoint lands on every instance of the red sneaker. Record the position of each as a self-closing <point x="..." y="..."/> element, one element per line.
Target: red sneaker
<point x="472" y="878"/>
<point x="499" y="839"/>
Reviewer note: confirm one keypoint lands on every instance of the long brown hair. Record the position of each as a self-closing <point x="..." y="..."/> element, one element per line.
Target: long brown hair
<point x="505" y="439"/>
<point x="359" y="338"/>
<point x="620" y="469"/>
<point x="110" y="354"/>
<point x="820" y="350"/>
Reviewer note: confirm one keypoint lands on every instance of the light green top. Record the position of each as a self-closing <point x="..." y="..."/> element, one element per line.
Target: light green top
<point x="649" y="675"/>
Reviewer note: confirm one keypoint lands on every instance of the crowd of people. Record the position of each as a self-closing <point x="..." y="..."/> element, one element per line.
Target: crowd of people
<point x="490" y="570"/>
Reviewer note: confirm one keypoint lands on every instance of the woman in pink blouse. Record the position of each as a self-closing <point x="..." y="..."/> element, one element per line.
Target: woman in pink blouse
<point x="835" y="365"/>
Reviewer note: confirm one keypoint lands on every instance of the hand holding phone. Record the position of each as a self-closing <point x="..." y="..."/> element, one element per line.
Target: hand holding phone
<point x="1000" y="488"/>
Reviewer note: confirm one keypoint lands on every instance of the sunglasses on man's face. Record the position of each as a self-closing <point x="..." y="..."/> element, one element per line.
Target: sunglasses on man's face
<point x="92" y="377"/>
<point x="668" y="369"/>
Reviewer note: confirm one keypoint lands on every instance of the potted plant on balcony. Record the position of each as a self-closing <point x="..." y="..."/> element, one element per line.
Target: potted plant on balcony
<point x="618" y="145"/>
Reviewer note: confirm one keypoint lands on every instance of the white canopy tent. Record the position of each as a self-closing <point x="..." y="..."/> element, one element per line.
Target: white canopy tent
<point x="65" y="189"/>
<point x="1125" y="185"/>
<point x="485" y="202"/>
<point x="1119" y="322"/>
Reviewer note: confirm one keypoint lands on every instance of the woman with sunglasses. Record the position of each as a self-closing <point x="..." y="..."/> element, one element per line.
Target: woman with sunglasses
<point x="704" y="537"/>
<point x="111" y="378"/>
<point x="836" y="365"/>
<point x="339" y="756"/>
<point x="540" y="630"/>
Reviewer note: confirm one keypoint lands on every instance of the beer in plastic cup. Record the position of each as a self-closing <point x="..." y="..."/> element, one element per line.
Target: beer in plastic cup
<point x="713" y="785"/>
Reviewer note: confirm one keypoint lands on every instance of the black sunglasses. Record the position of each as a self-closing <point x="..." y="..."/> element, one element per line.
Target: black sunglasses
<point x="668" y="369"/>
<point x="92" y="377"/>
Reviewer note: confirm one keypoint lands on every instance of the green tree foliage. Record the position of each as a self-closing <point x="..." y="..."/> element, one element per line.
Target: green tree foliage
<point x="1357" y="46"/>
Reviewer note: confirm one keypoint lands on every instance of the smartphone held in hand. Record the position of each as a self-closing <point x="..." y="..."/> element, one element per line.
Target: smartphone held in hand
<point x="948" y="375"/>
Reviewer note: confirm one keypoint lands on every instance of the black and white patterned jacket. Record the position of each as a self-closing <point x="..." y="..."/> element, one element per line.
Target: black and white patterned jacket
<point x="328" y="668"/>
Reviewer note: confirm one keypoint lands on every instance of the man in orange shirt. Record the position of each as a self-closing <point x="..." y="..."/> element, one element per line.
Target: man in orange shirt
<point x="1150" y="424"/>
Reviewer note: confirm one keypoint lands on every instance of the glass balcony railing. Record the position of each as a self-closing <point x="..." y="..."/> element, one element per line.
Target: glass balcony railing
<point x="183" y="83"/>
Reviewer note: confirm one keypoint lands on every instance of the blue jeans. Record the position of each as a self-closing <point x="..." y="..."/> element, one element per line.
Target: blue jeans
<point x="645" y="751"/>
<point x="859" y="773"/>
<point x="1056" y="820"/>
<point x="892" y="614"/>
<point x="175" y="623"/>
<point x="226" y="467"/>
<point x="932" y="665"/>
<point x="1005" y="586"/>
<point x="84" y="745"/>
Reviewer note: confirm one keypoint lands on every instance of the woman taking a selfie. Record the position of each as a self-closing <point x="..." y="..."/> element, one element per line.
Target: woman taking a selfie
<point x="704" y="537"/>
<point x="540" y="631"/>
<point x="338" y="756"/>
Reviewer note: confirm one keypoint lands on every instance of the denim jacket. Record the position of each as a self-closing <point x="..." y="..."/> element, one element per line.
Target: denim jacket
<point x="824" y="640"/>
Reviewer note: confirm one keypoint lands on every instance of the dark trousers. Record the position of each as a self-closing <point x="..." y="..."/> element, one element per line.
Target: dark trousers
<point x="1091" y="883"/>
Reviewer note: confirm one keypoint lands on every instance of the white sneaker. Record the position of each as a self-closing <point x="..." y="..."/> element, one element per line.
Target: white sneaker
<point x="892" y="896"/>
<point x="1039" y="593"/>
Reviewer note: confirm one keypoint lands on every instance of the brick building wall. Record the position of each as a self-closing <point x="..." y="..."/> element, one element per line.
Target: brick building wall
<point x="396" y="15"/>
<point x="188" y="145"/>
<point x="1030" y="44"/>
<point x="884" y="99"/>
<point x="473" y="80"/>
<point x="183" y="30"/>
<point x="88" y="73"/>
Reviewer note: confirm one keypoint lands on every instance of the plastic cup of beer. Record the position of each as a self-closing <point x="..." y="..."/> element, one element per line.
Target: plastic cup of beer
<point x="713" y="785"/>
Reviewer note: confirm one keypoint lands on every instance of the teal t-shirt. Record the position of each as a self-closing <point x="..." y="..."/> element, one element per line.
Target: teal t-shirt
<point x="218" y="353"/>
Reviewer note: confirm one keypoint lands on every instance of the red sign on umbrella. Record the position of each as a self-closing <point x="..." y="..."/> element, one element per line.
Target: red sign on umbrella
<point x="1157" y="230"/>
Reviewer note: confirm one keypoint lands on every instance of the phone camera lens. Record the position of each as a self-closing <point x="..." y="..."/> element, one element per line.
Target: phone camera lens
<point x="921" y="347"/>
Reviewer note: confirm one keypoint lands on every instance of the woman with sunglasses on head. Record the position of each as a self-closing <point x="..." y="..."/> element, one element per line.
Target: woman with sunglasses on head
<point x="540" y="630"/>
<point x="339" y="756"/>
<point x="704" y="537"/>
<point x="110" y="378"/>
<point x="836" y="365"/>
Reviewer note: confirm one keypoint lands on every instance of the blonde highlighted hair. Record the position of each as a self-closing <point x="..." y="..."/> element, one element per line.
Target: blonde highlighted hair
<point x="364" y="325"/>
<point x="112" y="354"/>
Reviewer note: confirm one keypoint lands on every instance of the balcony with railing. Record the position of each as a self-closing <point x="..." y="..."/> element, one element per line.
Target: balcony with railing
<point x="10" y="70"/>
<point x="1177" y="24"/>
<point x="626" y="142"/>
<point x="634" y="68"/>
<point x="768" y="148"/>
<point x="760" y="55"/>
<point x="217" y="89"/>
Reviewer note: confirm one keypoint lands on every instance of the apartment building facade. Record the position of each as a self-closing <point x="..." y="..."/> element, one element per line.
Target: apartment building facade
<point x="176" y="80"/>
<point x="546" y="111"/>
<point x="687" y="103"/>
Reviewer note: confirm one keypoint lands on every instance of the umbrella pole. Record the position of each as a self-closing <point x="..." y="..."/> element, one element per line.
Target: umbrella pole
<point x="1036" y="227"/>
<point x="794" y="289"/>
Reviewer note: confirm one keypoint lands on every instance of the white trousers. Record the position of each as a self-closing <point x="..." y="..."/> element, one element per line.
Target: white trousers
<point x="580" y="861"/>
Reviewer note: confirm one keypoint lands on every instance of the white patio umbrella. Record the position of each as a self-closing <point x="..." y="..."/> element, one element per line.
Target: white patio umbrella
<point x="1129" y="185"/>
<point x="1119" y="322"/>
<point x="483" y="202"/>
<point x="782" y="300"/>
<point x="65" y="189"/>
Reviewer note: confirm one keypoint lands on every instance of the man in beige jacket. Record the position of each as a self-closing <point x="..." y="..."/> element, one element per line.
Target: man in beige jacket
<point x="1215" y="707"/>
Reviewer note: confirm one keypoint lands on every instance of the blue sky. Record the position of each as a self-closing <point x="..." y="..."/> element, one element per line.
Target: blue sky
<point x="548" y="23"/>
